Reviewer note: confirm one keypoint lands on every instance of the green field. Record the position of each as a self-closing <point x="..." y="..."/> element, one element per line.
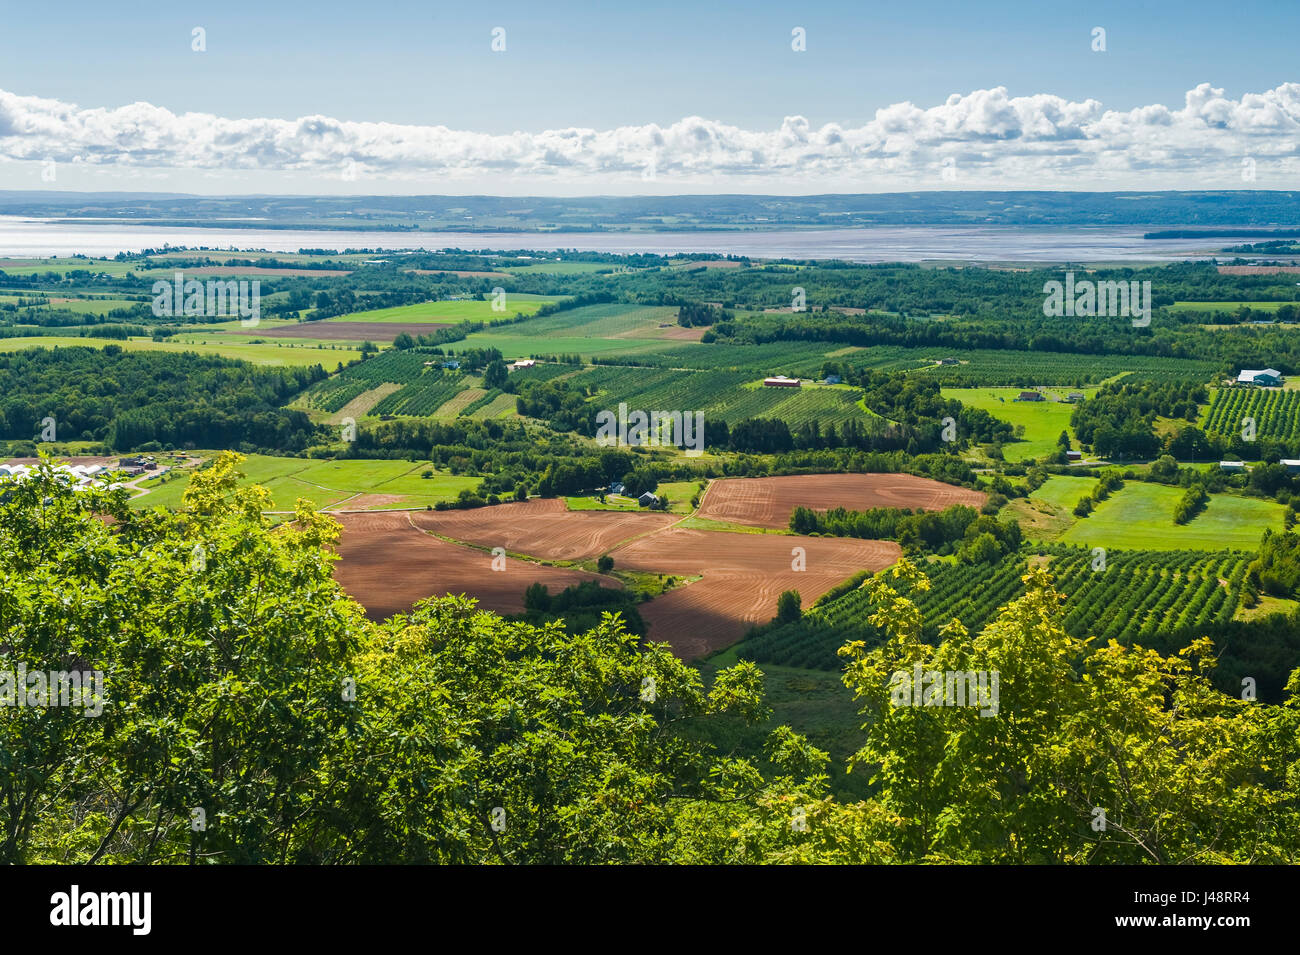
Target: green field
<point x="31" y="266"/>
<point x="1043" y="421"/>
<point x="515" y="345"/>
<point x="601" y="321"/>
<point x="1140" y="516"/>
<point x="564" y="268"/>
<point x="267" y="354"/>
<point x="1062" y="491"/>
<point x="458" y="311"/>
<point x="1226" y="306"/>
<point x="328" y="483"/>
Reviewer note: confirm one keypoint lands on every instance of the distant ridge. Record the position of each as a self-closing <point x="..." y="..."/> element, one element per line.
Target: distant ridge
<point x="1227" y="210"/>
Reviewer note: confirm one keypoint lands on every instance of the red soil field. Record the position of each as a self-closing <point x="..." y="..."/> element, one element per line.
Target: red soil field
<point x="542" y="527"/>
<point x="387" y="565"/>
<point x="743" y="575"/>
<point x="352" y="331"/>
<point x="769" y="502"/>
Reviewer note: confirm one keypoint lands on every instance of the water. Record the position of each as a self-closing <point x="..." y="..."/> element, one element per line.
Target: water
<point x="23" y="237"/>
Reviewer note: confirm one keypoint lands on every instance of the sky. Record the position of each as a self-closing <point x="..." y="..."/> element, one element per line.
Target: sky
<point x="547" y="98"/>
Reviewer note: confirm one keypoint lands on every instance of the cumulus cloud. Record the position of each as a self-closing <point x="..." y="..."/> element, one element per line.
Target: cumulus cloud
<point x="1036" y="140"/>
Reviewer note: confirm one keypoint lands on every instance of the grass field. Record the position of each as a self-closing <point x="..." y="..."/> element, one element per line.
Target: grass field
<point x="30" y="266"/>
<point x="679" y="495"/>
<point x="458" y="311"/>
<point x="1043" y="421"/>
<point x="329" y="483"/>
<point x="1062" y="491"/>
<point x="600" y="321"/>
<point x="517" y="345"/>
<point x="1226" y="307"/>
<point x="82" y="306"/>
<point x="267" y="354"/>
<point x="1140" y="516"/>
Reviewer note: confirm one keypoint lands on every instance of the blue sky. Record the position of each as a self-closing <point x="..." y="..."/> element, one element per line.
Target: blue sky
<point x="609" y="65"/>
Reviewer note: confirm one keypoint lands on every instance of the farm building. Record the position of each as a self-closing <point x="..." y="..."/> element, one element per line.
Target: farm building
<point x="522" y="363"/>
<point x="1074" y="455"/>
<point x="616" y="488"/>
<point x="832" y="380"/>
<point x="453" y="365"/>
<point x="1291" y="464"/>
<point x="1232" y="466"/>
<point x="1266" y="377"/>
<point x="1029" y="396"/>
<point x="949" y="361"/>
<point x="1074" y="396"/>
<point x="647" y="499"/>
<point x="781" y="381"/>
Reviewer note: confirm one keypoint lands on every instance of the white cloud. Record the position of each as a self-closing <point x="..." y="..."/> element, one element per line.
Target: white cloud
<point x="996" y="141"/>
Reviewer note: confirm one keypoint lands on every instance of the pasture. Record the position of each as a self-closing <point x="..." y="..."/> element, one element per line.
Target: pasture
<point x="1140" y="516"/>
<point x="265" y="354"/>
<point x="1042" y="421"/>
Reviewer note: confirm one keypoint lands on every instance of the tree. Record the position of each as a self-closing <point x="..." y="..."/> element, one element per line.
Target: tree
<point x="1181" y="771"/>
<point x="495" y="374"/>
<point x="789" y="606"/>
<point x="604" y="563"/>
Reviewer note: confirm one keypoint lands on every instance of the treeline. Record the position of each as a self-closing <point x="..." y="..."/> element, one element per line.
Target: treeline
<point x="1119" y="422"/>
<point x="125" y="399"/>
<point x="958" y="529"/>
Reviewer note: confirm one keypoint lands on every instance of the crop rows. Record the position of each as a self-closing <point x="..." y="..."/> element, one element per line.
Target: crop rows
<point x="721" y="396"/>
<point x="1276" y="413"/>
<point x="1136" y="596"/>
<point x="421" y="398"/>
<point x="982" y="368"/>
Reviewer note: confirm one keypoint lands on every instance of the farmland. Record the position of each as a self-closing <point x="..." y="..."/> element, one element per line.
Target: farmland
<point x="446" y="311"/>
<point x="257" y="354"/>
<point x="1042" y="421"/>
<point x="1134" y="596"/>
<point x="329" y="484"/>
<point x="769" y="502"/>
<point x="1141" y="516"/>
<point x="1276" y="412"/>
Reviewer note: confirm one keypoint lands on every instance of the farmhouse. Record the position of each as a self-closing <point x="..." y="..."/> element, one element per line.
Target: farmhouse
<point x="832" y="380"/>
<point x="949" y="361"/>
<point x="522" y="363"/>
<point x="452" y="365"/>
<point x="1266" y="377"/>
<point x="781" y="381"/>
<point x="1029" y="396"/>
<point x="616" y="488"/>
<point x="1074" y="396"/>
